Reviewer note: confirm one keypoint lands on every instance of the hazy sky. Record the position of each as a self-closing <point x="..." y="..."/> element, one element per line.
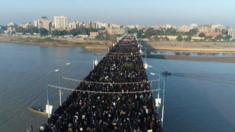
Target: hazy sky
<point x="147" y="12"/>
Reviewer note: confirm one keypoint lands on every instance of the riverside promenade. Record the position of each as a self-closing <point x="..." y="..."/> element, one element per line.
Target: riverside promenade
<point x="115" y="96"/>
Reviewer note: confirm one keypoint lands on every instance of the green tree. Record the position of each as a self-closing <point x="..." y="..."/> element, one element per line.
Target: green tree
<point x="132" y="30"/>
<point x="188" y="38"/>
<point x="59" y="32"/>
<point x="150" y="32"/>
<point x="202" y="35"/>
<point x="43" y="32"/>
<point x="170" y="31"/>
<point x="179" y="38"/>
<point x="192" y="32"/>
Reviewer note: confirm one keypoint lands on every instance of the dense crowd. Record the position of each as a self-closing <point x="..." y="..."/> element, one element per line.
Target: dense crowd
<point x="101" y="112"/>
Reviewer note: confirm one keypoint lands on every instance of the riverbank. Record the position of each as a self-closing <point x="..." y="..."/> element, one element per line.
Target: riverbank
<point x="205" y="48"/>
<point x="90" y="45"/>
<point x="194" y="47"/>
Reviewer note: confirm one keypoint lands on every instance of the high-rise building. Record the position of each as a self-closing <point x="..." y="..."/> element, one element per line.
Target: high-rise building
<point x="60" y="22"/>
<point x="73" y="25"/>
<point x="35" y="23"/>
<point x="44" y="22"/>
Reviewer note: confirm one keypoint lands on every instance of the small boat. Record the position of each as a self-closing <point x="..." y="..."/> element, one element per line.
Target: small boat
<point x="166" y="73"/>
<point x="38" y="110"/>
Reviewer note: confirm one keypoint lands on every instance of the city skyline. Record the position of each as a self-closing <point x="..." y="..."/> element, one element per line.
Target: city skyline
<point x="151" y="12"/>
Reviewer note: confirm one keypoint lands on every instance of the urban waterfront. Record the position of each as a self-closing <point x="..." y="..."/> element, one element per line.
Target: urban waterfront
<point x="191" y="104"/>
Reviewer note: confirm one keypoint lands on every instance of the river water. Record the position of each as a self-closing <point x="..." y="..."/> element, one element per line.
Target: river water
<point x="193" y="104"/>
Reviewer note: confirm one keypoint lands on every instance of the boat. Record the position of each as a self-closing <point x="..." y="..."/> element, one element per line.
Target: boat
<point x="38" y="110"/>
<point x="166" y="73"/>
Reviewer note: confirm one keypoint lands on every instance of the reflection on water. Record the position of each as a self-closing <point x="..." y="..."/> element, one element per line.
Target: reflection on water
<point x="191" y="104"/>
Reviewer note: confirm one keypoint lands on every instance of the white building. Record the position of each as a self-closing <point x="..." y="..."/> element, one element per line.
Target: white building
<point x="101" y="25"/>
<point x="35" y="23"/>
<point x="11" y="24"/>
<point x="60" y="22"/>
<point x="73" y="25"/>
<point x="167" y="26"/>
<point x="217" y="27"/>
<point x="193" y="26"/>
<point x="27" y="25"/>
<point x="231" y="32"/>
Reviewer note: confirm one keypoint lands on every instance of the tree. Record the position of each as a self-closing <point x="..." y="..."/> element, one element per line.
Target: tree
<point x="170" y="31"/>
<point x="59" y="32"/>
<point x="202" y="35"/>
<point x="192" y="32"/>
<point x="179" y="38"/>
<point x="140" y="34"/>
<point x="132" y="30"/>
<point x="150" y="32"/>
<point x="188" y="38"/>
<point x="227" y="37"/>
<point x="74" y="32"/>
<point x="43" y="32"/>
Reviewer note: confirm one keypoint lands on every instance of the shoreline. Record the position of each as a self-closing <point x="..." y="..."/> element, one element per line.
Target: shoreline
<point x="224" y="59"/>
<point x="194" y="47"/>
<point x="100" y="46"/>
<point x="90" y="45"/>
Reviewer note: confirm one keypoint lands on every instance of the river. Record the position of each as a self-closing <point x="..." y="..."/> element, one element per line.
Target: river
<point x="191" y="104"/>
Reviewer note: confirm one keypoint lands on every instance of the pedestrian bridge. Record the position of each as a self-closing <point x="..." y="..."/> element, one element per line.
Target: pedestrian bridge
<point x="115" y="96"/>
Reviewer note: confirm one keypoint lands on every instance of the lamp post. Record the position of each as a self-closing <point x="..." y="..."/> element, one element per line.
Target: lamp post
<point x="60" y="72"/>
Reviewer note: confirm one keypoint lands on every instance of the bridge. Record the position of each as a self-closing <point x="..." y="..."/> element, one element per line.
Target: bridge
<point x="115" y="96"/>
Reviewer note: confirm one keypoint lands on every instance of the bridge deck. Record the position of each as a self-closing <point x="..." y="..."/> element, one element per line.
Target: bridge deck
<point x="110" y="112"/>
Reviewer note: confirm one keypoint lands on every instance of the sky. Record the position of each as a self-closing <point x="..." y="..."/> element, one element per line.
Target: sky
<point x="125" y="12"/>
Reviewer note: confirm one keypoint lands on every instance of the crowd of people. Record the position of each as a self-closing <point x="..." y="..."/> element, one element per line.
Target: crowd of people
<point x="105" y="112"/>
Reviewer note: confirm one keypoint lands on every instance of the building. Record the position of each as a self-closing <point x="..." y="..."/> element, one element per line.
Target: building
<point x="35" y="23"/>
<point x="27" y="25"/>
<point x="73" y="25"/>
<point x="11" y="28"/>
<point x="211" y="30"/>
<point x="196" y="38"/>
<point x="60" y="22"/>
<point x="184" y="29"/>
<point x="231" y="32"/>
<point x="101" y="25"/>
<point x="219" y="27"/>
<point x="11" y="24"/>
<point x="113" y="29"/>
<point x="92" y="25"/>
<point x="167" y="26"/>
<point x="44" y="22"/>
<point x="193" y="26"/>
<point x="93" y="35"/>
